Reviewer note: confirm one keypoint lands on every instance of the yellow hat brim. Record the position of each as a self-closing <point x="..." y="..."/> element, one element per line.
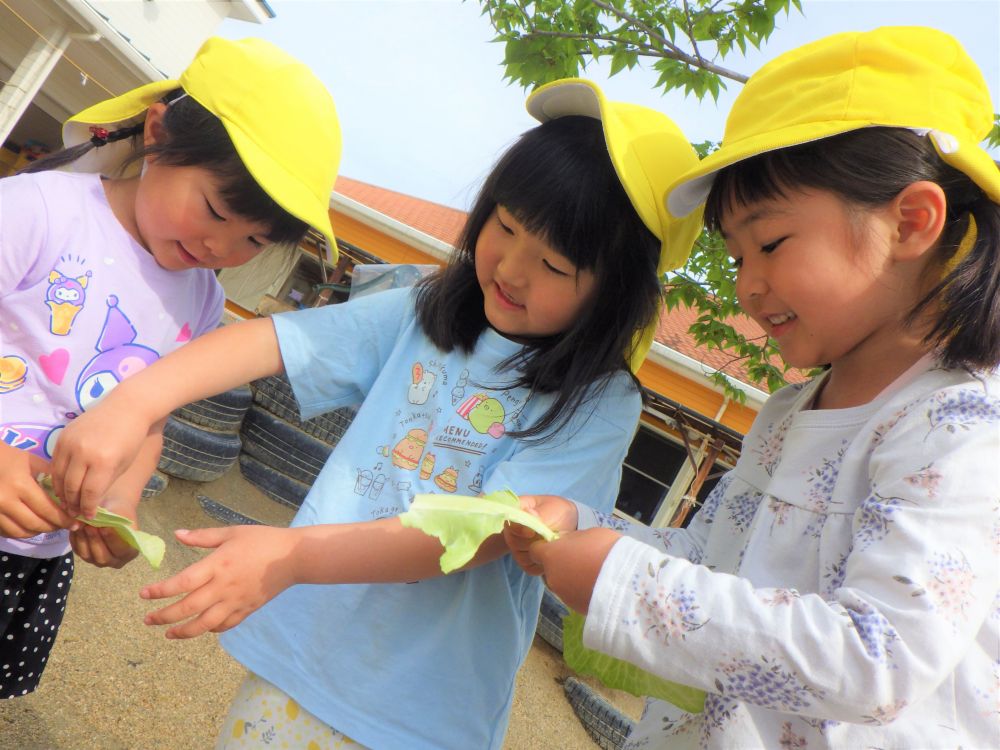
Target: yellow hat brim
<point x="909" y="77"/>
<point x="251" y="86"/>
<point x="647" y="150"/>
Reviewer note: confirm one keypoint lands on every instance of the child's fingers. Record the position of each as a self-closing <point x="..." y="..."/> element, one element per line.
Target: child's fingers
<point x="11" y="527"/>
<point x="92" y="490"/>
<point x="194" y="605"/>
<point x="191" y="578"/>
<point x="102" y="547"/>
<point x="38" y="465"/>
<point x="32" y="513"/>
<point x="517" y="530"/>
<point x="207" y="538"/>
<point x="209" y="621"/>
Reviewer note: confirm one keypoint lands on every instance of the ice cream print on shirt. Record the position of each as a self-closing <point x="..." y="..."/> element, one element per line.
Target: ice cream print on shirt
<point x="65" y="298"/>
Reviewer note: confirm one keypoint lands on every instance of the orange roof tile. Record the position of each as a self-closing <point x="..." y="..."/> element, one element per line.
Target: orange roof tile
<point x="438" y="221"/>
<point x="446" y="224"/>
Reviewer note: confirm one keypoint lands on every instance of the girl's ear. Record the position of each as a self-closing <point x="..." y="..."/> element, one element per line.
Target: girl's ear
<point x="154" y="132"/>
<point x="919" y="212"/>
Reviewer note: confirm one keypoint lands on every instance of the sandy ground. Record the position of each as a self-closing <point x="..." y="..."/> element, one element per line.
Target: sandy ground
<point x="114" y="684"/>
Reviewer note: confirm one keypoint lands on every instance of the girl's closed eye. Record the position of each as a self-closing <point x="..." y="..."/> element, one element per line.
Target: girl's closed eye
<point x="770" y="247"/>
<point x="211" y="209"/>
<point x="503" y="225"/>
<point x="554" y="268"/>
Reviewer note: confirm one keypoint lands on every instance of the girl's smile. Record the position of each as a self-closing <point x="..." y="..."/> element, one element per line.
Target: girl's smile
<point x="529" y="289"/>
<point x="824" y="281"/>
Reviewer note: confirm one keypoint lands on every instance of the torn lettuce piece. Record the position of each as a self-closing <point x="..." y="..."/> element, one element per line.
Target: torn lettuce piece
<point x="622" y="675"/>
<point x="463" y="523"/>
<point x="148" y="545"/>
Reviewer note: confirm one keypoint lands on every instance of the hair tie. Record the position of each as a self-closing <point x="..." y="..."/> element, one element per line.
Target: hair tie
<point x="98" y="135"/>
<point x="964" y="247"/>
<point x="102" y="136"/>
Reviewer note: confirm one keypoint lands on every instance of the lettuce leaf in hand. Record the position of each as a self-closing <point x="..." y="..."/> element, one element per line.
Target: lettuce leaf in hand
<point x="463" y="522"/>
<point x="148" y="545"/>
<point x="620" y="674"/>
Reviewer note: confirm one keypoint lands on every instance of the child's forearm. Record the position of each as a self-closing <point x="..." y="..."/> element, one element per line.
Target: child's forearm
<point x="380" y="551"/>
<point x="218" y="361"/>
<point x="124" y="495"/>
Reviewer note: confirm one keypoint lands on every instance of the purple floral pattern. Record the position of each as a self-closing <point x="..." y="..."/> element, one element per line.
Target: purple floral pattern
<point x="764" y="682"/>
<point x="742" y="509"/>
<point x="875" y="632"/>
<point x="961" y="409"/>
<point x="872" y="519"/>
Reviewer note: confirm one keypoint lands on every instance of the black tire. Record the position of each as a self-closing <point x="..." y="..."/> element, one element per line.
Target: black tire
<point x="283" y="446"/>
<point x="156" y="484"/>
<point x="276" y="396"/>
<point x="191" y="452"/>
<point x="550" y="616"/>
<point x="605" y="724"/>
<point x="224" y="513"/>
<point x="221" y="413"/>
<point x="274" y="484"/>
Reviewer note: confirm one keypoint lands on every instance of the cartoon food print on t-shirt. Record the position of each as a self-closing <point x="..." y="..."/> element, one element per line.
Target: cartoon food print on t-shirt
<point x="407" y="452"/>
<point x="370" y="481"/>
<point x="485" y="414"/>
<point x="13" y="373"/>
<point x="447" y="480"/>
<point x="458" y="392"/>
<point x="65" y="298"/>
<point x="427" y="465"/>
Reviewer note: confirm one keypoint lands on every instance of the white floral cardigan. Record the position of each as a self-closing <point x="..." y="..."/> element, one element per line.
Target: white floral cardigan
<point x="840" y="587"/>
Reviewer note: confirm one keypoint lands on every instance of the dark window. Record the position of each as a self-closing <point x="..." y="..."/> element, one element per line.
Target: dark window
<point x="650" y="467"/>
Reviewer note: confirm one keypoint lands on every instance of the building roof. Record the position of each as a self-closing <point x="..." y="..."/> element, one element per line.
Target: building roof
<point x="445" y="223"/>
<point x="441" y="222"/>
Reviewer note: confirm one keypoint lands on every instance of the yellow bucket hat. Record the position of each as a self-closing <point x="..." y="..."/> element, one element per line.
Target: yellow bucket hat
<point x="279" y="115"/>
<point x="896" y="76"/>
<point x="648" y="152"/>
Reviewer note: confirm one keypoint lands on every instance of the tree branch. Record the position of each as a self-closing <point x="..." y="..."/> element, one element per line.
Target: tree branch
<point x="671" y="51"/>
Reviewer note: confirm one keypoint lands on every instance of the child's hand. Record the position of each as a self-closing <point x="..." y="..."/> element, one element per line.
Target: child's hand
<point x="249" y="567"/>
<point x="91" y="453"/>
<point x="557" y="513"/>
<point x="103" y="547"/>
<point x="571" y="563"/>
<point x="25" y="508"/>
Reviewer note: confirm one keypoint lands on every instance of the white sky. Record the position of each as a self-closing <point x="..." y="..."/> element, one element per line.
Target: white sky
<point x="425" y="110"/>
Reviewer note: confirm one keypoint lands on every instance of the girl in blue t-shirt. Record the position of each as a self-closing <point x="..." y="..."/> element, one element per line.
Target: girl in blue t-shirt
<point x="509" y="367"/>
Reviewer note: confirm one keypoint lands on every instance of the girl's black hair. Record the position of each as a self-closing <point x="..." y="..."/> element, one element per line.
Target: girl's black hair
<point x="197" y="138"/>
<point x="558" y="182"/>
<point x="867" y="168"/>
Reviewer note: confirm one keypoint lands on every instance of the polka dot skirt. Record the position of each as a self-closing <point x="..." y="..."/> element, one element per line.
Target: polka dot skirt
<point x="32" y="602"/>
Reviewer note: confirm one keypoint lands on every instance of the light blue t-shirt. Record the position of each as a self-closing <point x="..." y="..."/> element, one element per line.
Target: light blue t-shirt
<point x="426" y="665"/>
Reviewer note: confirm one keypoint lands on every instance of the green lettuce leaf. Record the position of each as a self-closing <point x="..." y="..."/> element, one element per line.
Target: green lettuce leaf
<point x="621" y="675"/>
<point x="463" y="523"/>
<point x="148" y="545"/>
